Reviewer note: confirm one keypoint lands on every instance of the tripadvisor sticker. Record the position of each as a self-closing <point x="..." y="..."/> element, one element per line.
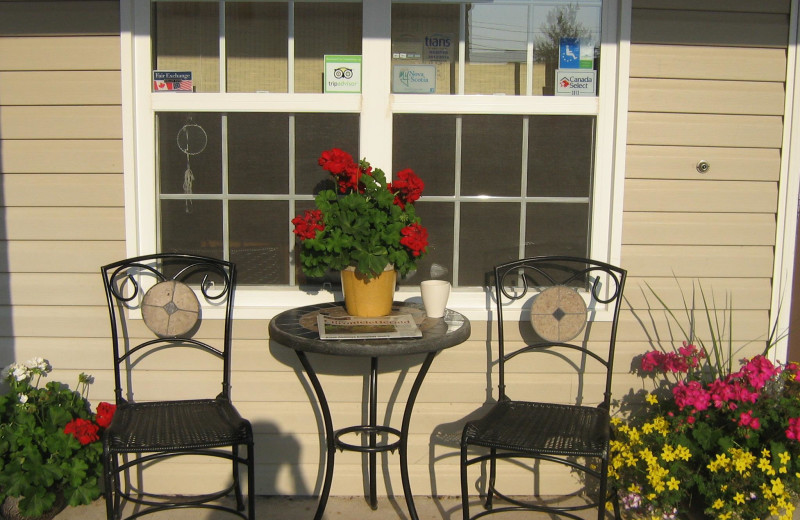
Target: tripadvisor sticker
<point x="343" y="73"/>
<point x="575" y="82"/>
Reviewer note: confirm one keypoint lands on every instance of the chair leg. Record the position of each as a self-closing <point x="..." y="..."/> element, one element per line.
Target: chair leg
<point x="464" y="486"/>
<point x="492" y="475"/>
<point x="237" y="485"/>
<point x="109" y="483"/>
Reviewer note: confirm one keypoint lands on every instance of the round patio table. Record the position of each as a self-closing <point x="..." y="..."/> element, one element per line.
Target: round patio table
<point x="297" y="329"/>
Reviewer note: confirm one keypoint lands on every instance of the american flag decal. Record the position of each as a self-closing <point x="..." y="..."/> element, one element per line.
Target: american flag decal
<point x="172" y="81"/>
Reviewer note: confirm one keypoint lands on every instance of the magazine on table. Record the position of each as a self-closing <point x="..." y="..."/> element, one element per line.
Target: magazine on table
<point x="355" y="327"/>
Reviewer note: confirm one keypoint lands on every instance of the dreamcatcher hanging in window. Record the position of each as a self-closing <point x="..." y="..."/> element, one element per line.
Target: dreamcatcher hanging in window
<point x="192" y="139"/>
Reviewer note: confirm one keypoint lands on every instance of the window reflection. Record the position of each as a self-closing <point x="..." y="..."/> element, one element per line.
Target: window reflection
<point x="511" y="47"/>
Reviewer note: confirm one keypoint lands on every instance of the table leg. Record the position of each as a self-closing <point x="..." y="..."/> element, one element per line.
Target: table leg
<point x="403" y="449"/>
<point x="373" y="420"/>
<point x="329" y="434"/>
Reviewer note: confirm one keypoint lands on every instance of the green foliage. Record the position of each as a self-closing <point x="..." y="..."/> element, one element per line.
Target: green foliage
<point x="38" y="460"/>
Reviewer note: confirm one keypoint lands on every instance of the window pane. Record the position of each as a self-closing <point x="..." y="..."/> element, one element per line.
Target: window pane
<point x="258" y="153"/>
<point x="491" y="162"/>
<point x="192" y="226"/>
<point x="189" y="142"/>
<point x="258" y="241"/>
<point x="186" y="39"/>
<point x="425" y="40"/>
<point x="256" y="40"/>
<point x="489" y="235"/>
<point x="437" y="218"/>
<point x="557" y="229"/>
<point x="497" y="50"/>
<point x="427" y="145"/>
<point x="560" y="156"/>
<point x="561" y="19"/>
<point x="320" y="29"/>
<point x="315" y="134"/>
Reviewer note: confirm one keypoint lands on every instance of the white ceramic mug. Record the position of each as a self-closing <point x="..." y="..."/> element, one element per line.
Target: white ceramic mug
<point x="434" y="296"/>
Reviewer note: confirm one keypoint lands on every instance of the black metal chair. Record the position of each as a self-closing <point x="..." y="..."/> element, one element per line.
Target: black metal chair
<point x="563" y="292"/>
<point x="156" y="313"/>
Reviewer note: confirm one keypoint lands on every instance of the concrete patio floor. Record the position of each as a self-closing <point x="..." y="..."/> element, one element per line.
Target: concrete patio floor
<point x="338" y="508"/>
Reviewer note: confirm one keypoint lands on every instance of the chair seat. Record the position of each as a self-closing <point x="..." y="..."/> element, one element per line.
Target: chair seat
<point x="176" y="425"/>
<point x="542" y="428"/>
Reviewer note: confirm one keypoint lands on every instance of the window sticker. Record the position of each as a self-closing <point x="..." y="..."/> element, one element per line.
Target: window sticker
<point x="575" y="53"/>
<point x="575" y="82"/>
<point x="342" y="73"/>
<point x="439" y="47"/>
<point x="414" y="79"/>
<point x="165" y="80"/>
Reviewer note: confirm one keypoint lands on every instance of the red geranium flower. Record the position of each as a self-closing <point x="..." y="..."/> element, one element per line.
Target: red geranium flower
<point x="335" y="160"/>
<point x="105" y="412"/>
<point x="308" y="225"/>
<point x="407" y="188"/>
<point x="415" y="237"/>
<point x="83" y="430"/>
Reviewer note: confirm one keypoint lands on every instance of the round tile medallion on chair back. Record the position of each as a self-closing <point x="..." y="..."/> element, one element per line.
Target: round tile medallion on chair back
<point x="368" y="297"/>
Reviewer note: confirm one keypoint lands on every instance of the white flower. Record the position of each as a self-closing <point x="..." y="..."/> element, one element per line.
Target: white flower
<point x="20" y="373"/>
<point x="38" y="365"/>
<point x="23" y="398"/>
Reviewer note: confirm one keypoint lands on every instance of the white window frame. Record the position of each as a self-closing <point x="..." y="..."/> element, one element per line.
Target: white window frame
<point x="376" y="104"/>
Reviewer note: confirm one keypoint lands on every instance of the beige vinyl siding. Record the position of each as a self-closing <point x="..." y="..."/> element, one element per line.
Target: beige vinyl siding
<point x="707" y="82"/>
<point x="62" y="186"/>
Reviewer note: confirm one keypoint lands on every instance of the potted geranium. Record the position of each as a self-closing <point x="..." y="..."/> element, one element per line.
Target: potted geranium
<point x="366" y="226"/>
<point x="723" y="445"/>
<point x="50" y="454"/>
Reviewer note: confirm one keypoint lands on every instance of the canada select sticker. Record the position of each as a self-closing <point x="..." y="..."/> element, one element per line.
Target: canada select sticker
<point x="575" y="82"/>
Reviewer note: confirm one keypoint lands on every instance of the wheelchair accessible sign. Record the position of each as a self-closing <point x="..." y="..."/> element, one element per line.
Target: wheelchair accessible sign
<point x="342" y="73"/>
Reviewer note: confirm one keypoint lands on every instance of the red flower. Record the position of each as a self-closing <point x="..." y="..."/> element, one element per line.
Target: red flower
<point x="105" y="412"/>
<point x="307" y="225"/>
<point x="415" y="237"/>
<point x="83" y="430"/>
<point x="335" y="160"/>
<point x="407" y="187"/>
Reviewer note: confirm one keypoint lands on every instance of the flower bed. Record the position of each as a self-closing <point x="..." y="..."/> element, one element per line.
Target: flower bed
<point x="728" y="443"/>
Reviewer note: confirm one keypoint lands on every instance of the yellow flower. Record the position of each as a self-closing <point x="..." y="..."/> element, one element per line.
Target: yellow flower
<point x="738" y="498"/>
<point x="673" y="483"/>
<point x="724" y="516"/>
<point x="634" y="488"/>
<point x="785" y="457"/>
<point x="652" y="399"/>
<point x="765" y="466"/>
<point x="683" y="453"/>
<point x="667" y="453"/>
<point x="777" y="486"/>
<point x="718" y="504"/>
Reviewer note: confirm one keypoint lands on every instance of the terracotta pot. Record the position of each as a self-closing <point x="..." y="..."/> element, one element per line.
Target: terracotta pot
<point x="368" y="297"/>
<point x="9" y="509"/>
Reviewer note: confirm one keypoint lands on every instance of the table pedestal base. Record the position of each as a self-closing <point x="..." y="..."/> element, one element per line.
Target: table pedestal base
<point x="372" y="429"/>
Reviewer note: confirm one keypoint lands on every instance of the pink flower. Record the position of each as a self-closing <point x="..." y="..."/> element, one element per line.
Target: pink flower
<point x="652" y="360"/>
<point x="759" y="370"/>
<point x="747" y="420"/>
<point x="793" y="432"/>
<point x="691" y="395"/>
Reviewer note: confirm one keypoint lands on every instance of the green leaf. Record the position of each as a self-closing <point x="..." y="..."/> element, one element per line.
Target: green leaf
<point x="83" y="494"/>
<point x="37" y="503"/>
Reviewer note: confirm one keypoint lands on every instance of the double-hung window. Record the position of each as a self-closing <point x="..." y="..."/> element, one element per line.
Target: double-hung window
<point x="504" y="108"/>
